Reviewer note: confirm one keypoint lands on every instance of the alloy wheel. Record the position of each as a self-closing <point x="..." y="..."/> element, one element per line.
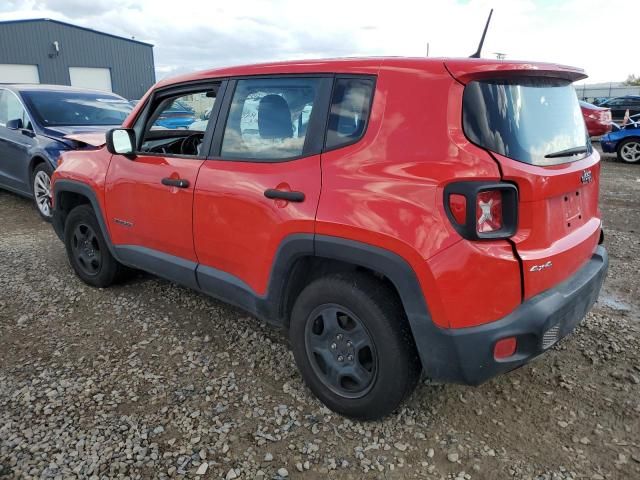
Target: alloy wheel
<point x="341" y="351"/>
<point x="42" y="192"/>
<point x="630" y="152"/>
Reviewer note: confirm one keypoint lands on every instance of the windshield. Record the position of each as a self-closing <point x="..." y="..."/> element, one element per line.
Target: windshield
<point x="531" y="120"/>
<point x="57" y="109"/>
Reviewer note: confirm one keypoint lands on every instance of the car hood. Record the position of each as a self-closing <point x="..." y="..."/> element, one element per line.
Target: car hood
<point x="61" y="132"/>
<point x="79" y="136"/>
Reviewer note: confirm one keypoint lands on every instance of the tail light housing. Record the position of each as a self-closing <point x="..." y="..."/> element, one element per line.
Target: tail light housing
<point x="482" y="210"/>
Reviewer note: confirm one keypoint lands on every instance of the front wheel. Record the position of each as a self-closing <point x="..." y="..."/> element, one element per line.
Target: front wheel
<point x="352" y="343"/>
<point x="629" y="150"/>
<point x="87" y="249"/>
<point x="41" y="188"/>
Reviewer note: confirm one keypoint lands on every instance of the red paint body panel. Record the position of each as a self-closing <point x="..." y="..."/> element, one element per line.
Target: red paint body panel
<point x="597" y="119"/>
<point x="85" y="166"/>
<point x="236" y="228"/>
<point x="160" y="216"/>
<point x="387" y="191"/>
<point x="559" y="218"/>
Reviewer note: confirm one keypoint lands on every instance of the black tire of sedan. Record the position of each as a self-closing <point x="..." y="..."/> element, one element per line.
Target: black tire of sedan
<point x="41" y="189"/>
<point x="353" y="346"/>
<point x="87" y="249"/>
<point x="629" y="150"/>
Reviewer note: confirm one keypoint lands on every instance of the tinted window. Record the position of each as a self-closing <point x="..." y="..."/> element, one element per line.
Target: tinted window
<point x="268" y="118"/>
<point x="349" y="110"/>
<point x="53" y="109"/>
<point x="525" y="119"/>
<point x="12" y="109"/>
<point x="177" y="123"/>
<point x="185" y="112"/>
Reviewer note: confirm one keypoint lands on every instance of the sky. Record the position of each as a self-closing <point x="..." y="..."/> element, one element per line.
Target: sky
<point x="599" y="36"/>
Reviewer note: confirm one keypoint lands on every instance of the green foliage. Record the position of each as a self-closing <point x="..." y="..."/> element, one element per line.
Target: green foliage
<point x="633" y="80"/>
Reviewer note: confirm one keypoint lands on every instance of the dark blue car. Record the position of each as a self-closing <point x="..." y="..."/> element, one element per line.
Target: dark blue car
<point x="35" y="121"/>
<point x="624" y="141"/>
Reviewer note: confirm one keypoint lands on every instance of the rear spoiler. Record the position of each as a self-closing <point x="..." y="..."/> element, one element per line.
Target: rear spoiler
<point x="466" y="70"/>
<point x="95" y="139"/>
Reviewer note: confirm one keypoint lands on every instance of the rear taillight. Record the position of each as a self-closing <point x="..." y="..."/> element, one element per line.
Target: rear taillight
<point x="482" y="210"/>
<point x="489" y="211"/>
<point x="458" y="206"/>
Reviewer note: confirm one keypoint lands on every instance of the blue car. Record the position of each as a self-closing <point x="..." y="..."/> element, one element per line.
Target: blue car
<point x="177" y="116"/>
<point x="36" y="125"/>
<point x="624" y="141"/>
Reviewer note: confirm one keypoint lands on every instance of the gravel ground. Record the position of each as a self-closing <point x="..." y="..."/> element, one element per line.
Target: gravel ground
<point x="150" y="380"/>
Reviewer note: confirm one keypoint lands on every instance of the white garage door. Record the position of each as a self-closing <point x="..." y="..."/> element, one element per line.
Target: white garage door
<point x="13" y="73"/>
<point x="96" y="78"/>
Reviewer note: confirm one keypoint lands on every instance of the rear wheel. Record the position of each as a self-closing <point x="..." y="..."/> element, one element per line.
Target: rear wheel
<point x="87" y="249"/>
<point x="352" y="344"/>
<point x="41" y="188"/>
<point x="629" y="150"/>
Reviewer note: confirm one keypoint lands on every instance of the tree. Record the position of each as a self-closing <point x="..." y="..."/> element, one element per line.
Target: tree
<point x="633" y="80"/>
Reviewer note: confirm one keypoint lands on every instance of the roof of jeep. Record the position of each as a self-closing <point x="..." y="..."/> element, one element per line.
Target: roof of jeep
<point x="456" y="66"/>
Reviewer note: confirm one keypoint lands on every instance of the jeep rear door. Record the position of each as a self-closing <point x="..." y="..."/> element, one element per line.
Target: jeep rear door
<point x="261" y="183"/>
<point x="533" y="127"/>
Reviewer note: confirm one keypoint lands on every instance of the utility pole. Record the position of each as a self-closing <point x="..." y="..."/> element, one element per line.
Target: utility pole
<point x="427" y="49"/>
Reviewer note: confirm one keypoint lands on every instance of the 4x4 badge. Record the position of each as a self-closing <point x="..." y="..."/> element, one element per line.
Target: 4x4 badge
<point x="586" y="176"/>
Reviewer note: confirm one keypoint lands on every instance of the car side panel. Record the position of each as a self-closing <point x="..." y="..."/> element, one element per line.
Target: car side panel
<point x="237" y="229"/>
<point x="387" y="191"/>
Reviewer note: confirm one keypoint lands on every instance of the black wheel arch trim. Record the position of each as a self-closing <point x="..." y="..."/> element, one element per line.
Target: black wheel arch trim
<point x="64" y="185"/>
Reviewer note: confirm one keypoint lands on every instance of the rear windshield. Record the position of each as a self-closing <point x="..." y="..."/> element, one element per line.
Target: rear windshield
<point x="531" y="120"/>
<point x="57" y="109"/>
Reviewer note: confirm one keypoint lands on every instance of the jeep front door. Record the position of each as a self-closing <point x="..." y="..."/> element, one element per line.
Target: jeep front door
<point x="149" y="196"/>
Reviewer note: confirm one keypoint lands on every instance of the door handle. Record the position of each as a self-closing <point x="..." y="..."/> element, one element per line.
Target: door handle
<point x="175" y="182"/>
<point x="275" y="194"/>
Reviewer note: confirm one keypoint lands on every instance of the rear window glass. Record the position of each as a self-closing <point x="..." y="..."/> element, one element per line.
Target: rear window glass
<point x="529" y="120"/>
<point x="349" y="110"/>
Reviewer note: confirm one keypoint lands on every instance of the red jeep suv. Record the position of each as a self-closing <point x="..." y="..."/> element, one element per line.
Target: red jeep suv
<point x="394" y="216"/>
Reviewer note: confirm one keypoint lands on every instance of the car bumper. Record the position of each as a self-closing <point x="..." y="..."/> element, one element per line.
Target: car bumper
<point x="608" y="147"/>
<point x="466" y="354"/>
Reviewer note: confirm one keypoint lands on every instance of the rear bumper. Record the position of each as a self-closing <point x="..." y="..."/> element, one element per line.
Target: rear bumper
<point x="607" y="146"/>
<point x="537" y="324"/>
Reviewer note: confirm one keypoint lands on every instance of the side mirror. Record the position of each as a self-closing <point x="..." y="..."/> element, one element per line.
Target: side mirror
<point x="15" y="124"/>
<point x="121" y="141"/>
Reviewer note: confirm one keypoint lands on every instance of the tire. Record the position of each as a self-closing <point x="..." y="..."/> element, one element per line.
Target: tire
<point x="629" y="150"/>
<point x="87" y="249"/>
<point x="41" y="190"/>
<point x="353" y="346"/>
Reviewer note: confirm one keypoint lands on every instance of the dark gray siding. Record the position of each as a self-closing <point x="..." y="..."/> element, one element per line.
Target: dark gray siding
<point x="30" y="42"/>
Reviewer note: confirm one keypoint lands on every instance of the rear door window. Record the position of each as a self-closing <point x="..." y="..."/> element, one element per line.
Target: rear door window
<point x="350" y="105"/>
<point x="268" y="118"/>
<point x="531" y="120"/>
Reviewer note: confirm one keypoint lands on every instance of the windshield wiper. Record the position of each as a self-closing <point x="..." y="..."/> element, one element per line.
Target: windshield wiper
<point x="568" y="152"/>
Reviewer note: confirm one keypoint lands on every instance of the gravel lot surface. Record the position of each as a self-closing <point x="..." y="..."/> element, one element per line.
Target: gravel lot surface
<point x="150" y="380"/>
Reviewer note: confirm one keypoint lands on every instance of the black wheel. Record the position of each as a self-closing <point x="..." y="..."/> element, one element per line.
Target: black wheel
<point x="41" y="189"/>
<point x="629" y="150"/>
<point x="352" y="344"/>
<point x="87" y="249"/>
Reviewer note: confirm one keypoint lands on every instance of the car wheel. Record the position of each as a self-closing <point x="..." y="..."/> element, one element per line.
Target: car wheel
<point x="629" y="150"/>
<point x="353" y="346"/>
<point x="41" y="188"/>
<point x="87" y="249"/>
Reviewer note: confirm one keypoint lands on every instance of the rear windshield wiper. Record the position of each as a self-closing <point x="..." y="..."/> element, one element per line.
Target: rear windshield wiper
<point x="568" y="152"/>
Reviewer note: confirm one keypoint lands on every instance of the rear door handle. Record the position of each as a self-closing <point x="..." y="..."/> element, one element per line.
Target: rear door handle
<point x="175" y="182"/>
<point x="275" y="194"/>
